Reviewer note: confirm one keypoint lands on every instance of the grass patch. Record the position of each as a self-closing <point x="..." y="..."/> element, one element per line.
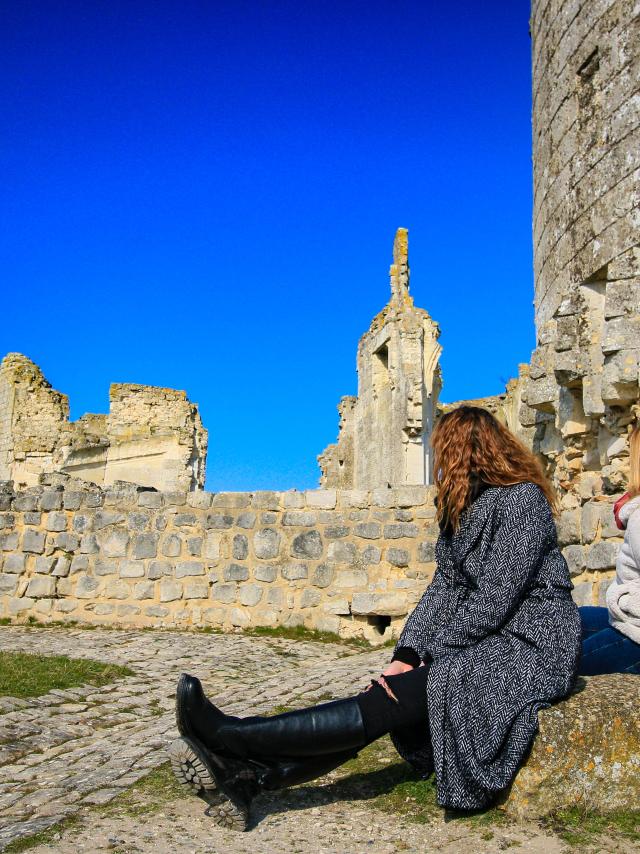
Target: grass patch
<point x="150" y="794"/>
<point x="581" y="827"/>
<point x="23" y="675"/>
<point x="43" y="837"/>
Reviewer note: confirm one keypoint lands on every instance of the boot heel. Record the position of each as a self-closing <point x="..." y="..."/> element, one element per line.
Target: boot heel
<point x="193" y="768"/>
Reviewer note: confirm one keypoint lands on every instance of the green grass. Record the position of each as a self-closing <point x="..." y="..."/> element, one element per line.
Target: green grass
<point x="581" y="827"/>
<point x="300" y="633"/>
<point x="23" y="675"/>
<point x="43" y="837"/>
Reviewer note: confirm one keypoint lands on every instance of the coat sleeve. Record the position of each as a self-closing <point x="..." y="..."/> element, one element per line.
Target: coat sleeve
<point x="525" y="532"/>
<point x="426" y="617"/>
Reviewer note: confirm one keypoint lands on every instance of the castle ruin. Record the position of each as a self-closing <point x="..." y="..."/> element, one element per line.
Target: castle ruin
<point x="384" y="432"/>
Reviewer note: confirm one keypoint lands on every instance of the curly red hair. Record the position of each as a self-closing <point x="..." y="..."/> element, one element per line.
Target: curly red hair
<point x="470" y="441"/>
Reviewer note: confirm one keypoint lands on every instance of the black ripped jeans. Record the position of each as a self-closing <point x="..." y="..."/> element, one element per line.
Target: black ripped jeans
<point x="382" y="714"/>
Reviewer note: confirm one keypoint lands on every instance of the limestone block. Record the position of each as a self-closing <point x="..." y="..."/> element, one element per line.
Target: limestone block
<point x="152" y="500"/>
<point x="24" y="503"/>
<point x="138" y="521"/>
<point x="185" y="520"/>
<point x="196" y="590"/>
<point x="348" y="578"/>
<point x="231" y="500"/>
<point x="307" y="544"/>
<point x="266" y="543"/>
<point x="105" y="567"/>
<point x="240" y="548"/>
<point x="354" y="498"/>
<point x="603" y="555"/>
<point x="621" y="333"/>
<point x="81" y="523"/>
<point x="367" y="530"/>
<point x="170" y="590"/>
<point x="61" y="567"/>
<point x="117" y="590"/>
<point x="104" y="609"/>
<point x="582" y="593"/>
<point x="218" y="521"/>
<point x="89" y="544"/>
<point x="568" y="525"/>
<point x="386" y="604"/>
<point x="14" y="564"/>
<point x="344" y="553"/>
<point x="603" y="586"/>
<point x="113" y="542"/>
<point x="41" y="586"/>
<point x="411" y="496"/>
<point x="144" y="590"/>
<point x="104" y="518"/>
<point x="189" y="567"/>
<point x="299" y="518"/>
<point x="338" y="607"/>
<point x="250" y="594"/>
<point x="294" y="571"/>
<point x="214" y="616"/>
<point x="51" y="500"/>
<point x="65" y="606"/>
<point x="370" y="555"/>
<point x="542" y="393"/>
<point x="400" y="529"/>
<point x="246" y="520"/>
<point x="322" y="575"/>
<point x="576" y="559"/>
<point x="194" y="546"/>
<point x="321" y="498"/>
<point x="268" y="518"/>
<point x="622" y="297"/>
<point x="598" y="518"/>
<point x="620" y="376"/>
<point x="427" y="552"/>
<point x="79" y="563"/>
<point x="327" y="623"/>
<point x="383" y="496"/>
<point x="172" y="545"/>
<point x="131" y="569"/>
<point x="239" y="618"/>
<point x="175" y="499"/>
<point x="24" y="603"/>
<point x="397" y="557"/>
<point x="226" y="593"/>
<point x="275" y="597"/>
<point x="336" y="532"/>
<point x="33" y="541"/>
<point x="292" y="499"/>
<point x="263" y="500"/>
<point x="310" y="598"/>
<point x="156" y="610"/>
<point x="8" y="584"/>
<point x="265" y="572"/>
<point x="145" y="545"/>
<point x="159" y="569"/>
<point x="586" y="753"/>
<point x="212" y="543"/>
<point x="128" y="610"/>
<point x="235" y="572"/>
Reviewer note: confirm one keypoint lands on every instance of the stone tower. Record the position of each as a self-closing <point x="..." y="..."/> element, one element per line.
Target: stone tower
<point x="384" y="432"/>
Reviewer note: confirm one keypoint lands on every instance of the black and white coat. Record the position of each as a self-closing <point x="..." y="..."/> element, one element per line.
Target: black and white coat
<point x="504" y="635"/>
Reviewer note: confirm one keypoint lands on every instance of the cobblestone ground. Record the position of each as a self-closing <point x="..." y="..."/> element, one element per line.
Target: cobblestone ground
<point x="70" y="750"/>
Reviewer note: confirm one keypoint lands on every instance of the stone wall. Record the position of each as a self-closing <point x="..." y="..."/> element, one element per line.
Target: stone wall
<point x="346" y="561"/>
<point x="152" y="436"/>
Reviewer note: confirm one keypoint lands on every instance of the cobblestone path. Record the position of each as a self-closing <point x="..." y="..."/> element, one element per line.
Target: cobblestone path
<point x="84" y="745"/>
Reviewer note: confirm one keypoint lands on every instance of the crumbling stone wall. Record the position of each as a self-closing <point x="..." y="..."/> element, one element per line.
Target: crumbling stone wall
<point x="151" y="436"/>
<point x="346" y="561"/>
<point x="384" y="432"/>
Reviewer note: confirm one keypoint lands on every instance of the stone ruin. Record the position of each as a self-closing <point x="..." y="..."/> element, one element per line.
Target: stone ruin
<point x="151" y="436"/>
<point x="384" y="431"/>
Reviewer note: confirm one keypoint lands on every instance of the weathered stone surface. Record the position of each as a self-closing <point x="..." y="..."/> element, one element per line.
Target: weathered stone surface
<point x="266" y="543"/>
<point x="307" y="544"/>
<point x="587" y="752"/>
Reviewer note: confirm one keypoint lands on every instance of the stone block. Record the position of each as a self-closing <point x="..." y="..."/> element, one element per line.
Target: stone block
<point x="33" y="541"/>
<point x="131" y="569"/>
<point x="264" y="500"/>
<point x="23" y="603"/>
<point x="240" y="547"/>
<point x="307" y="544"/>
<point x="171" y="545"/>
<point x="294" y="571"/>
<point x="351" y="578"/>
<point x="117" y="590"/>
<point x="427" y="552"/>
<point x="67" y="542"/>
<point x="582" y="593"/>
<point x="353" y="498"/>
<point x="32" y="519"/>
<point x="235" y="572"/>
<point x="266" y="543"/>
<point x="25" y="503"/>
<point x="250" y="594"/>
<point x="103" y="609"/>
<point x="576" y="559"/>
<point x="383" y="497"/>
<point x="138" y="521"/>
<point x="268" y="518"/>
<point x="105" y="518"/>
<point x="266" y="572"/>
<point x="214" y="616"/>
<point x="170" y="591"/>
<point x="89" y="544"/>
<point x="396" y="530"/>
<point x="113" y="542"/>
<point x="568" y="526"/>
<point x="218" y="521"/>
<point x="128" y="610"/>
<point x="275" y="597"/>
<point x="597" y="518"/>
<point x="397" y="557"/>
<point x="194" y="546"/>
<point x="586" y="752"/>
<point x="342" y="552"/>
<point x="196" y="590"/>
<point x="384" y="604"/>
<point x="145" y="546"/>
<point x="41" y="586"/>
<point x="322" y="575"/>
<point x="246" y="520"/>
<point x="327" y="623"/>
<point x="239" y="618"/>
<point x="299" y="518"/>
<point x="189" y="567"/>
<point x="8" y="584"/>
<point x="310" y="598"/>
<point x="152" y="500"/>
<point x="603" y="555"/>
<point x="51" y="500"/>
<point x="44" y="565"/>
<point x="79" y="563"/>
<point x="226" y="593"/>
<point x="621" y="333"/>
<point x="81" y="523"/>
<point x="159" y="569"/>
<point x="14" y="564"/>
<point x="199" y="499"/>
<point x="156" y="610"/>
<point x="212" y="544"/>
<point x="185" y="520"/>
<point x="367" y="530"/>
<point x="339" y="607"/>
<point x="335" y="532"/>
<point x="410" y="496"/>
<point x="324" y="499"/>
<point x="371" y="555"/>
<point x="603" y="586"/>
<point x="105" y="567"/>
<point x="87" y="587"/>
<point x="620" y="377"/>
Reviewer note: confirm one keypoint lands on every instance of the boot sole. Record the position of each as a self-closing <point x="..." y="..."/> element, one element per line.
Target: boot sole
<point x="194" y="770"/>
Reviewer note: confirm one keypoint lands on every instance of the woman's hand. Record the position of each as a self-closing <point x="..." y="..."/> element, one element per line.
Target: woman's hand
<point x="396" y="667"/>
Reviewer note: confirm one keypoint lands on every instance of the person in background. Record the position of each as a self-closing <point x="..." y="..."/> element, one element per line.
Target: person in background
<point x="611" y="635"/>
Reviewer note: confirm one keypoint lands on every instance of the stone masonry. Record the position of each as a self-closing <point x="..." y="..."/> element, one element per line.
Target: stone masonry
<point x="151" y="436"/>
<point x="384" y="432"/>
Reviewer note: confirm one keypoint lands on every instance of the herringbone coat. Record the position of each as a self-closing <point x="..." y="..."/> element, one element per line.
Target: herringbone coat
<point x="504" y="634"/>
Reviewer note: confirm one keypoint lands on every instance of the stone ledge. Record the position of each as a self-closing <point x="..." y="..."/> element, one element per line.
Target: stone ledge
<point x="587" y="752"/>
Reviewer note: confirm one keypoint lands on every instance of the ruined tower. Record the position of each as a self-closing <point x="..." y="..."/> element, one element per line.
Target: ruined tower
<point x="384" y="431"/>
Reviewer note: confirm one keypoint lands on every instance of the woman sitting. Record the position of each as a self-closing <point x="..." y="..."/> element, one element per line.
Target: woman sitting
<point x="494" y="639"/>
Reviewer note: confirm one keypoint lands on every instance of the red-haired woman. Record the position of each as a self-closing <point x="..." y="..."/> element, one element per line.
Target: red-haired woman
<point x="494" y="639"/>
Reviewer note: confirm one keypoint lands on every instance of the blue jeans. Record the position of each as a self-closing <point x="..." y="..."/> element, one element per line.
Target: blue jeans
<point x="605" y="649"/>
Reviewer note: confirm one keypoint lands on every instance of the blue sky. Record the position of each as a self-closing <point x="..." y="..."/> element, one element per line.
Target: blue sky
<point x="203" y="195"/>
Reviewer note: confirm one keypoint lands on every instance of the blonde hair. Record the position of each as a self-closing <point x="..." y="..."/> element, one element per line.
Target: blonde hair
<point x="470" y="441"/>
<point x="634" y="461"/>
